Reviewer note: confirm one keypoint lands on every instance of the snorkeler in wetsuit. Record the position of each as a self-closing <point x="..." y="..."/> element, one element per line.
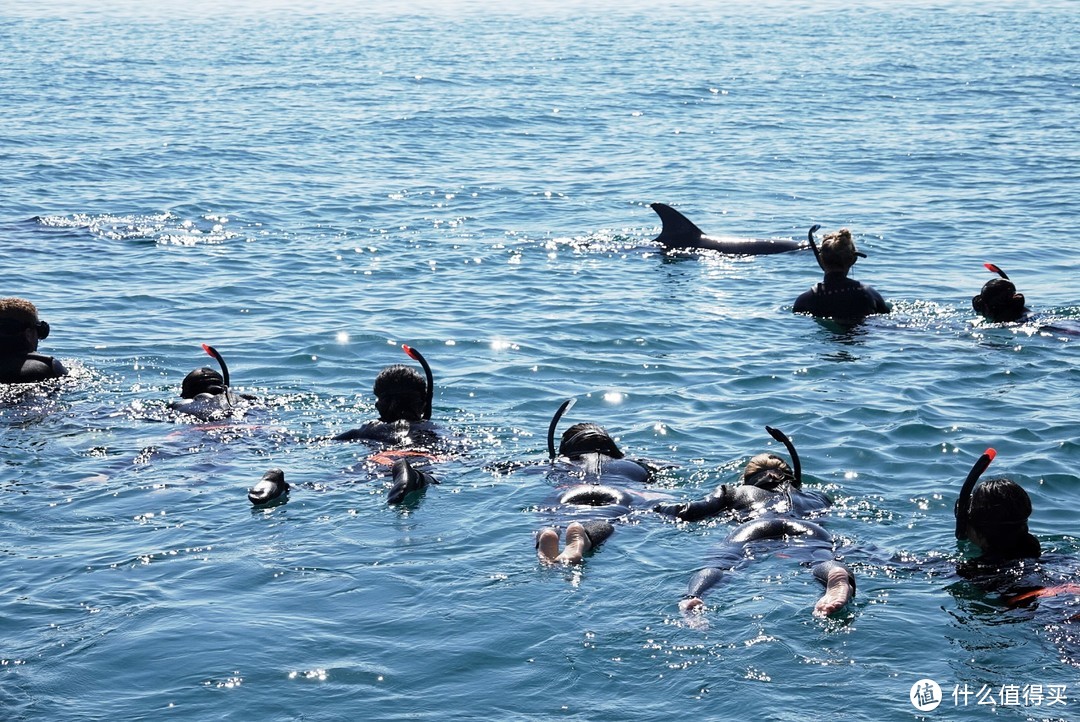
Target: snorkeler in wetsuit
<point x="403" y="399"/>
<point x="838" y="296"/>
<point x="605" y="491"/>
<point x="999" y="301"/>
<point x="993" y="515"/>
<point x="20" y="332"/>
<point x="768" y="486"/>
<point x="205" y="393"/>
<point x="771" y="493"/>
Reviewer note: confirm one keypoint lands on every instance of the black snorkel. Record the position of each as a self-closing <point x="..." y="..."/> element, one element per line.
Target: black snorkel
<point x="964" y="500"/>
<point x="213" y="352"/>
<point x="994" y="269"/>
<point x="783" y="439"/>
<point x="817" y="255"/>
<point x="566" y="406"/>
<point x="417" y="356"/>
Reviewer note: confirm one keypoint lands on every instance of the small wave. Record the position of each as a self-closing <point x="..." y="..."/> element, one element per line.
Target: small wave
<point x="165" y="228"/>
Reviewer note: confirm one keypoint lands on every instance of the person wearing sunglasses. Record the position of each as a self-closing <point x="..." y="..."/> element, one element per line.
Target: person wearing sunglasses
<point x="20" y="332"/>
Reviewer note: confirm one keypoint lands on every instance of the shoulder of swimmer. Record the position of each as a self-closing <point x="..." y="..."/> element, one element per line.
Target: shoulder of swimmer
<point x="30" y="367"/>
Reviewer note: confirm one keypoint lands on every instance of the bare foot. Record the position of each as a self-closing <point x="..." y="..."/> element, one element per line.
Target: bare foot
<point x="577" y="543"/>
<point x="547" y="545"/>
<point x="693" y="604"/>
<point x="838" y="592"/>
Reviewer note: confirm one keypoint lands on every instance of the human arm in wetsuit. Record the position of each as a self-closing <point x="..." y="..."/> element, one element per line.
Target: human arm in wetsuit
<point x="720" y="500"/>
<point x="880" y="305"/>
<point x="724" y="498"/>
<point x="804" y="303"/>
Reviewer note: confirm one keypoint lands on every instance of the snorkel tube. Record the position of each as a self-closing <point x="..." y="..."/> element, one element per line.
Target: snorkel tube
<point x="417" y="356"/>
<point x="783" y="439"/>
<point x="964" y="501"/>
<point x="994" y="269"/>
<point x="566" y="406"/>
<point x="211" y="351"/>
<point x="817" y="254"/>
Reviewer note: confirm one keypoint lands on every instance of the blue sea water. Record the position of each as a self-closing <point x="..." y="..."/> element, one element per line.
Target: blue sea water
<point x="306" y="187"/>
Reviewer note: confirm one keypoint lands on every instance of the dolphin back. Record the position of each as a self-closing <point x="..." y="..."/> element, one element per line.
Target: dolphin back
<point x="679" y="232"/>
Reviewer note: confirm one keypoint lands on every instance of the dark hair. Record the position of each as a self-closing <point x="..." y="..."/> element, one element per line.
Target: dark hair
<point x="588" y="439"/>
<point x="202" y="381"/>
<point x="999" y="301"/>
<point x="400" y="393"/>
<point x="998" y="512"/>
<point x="16" y="316"/>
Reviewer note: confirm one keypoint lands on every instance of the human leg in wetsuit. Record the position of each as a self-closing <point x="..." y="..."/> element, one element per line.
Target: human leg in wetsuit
<point x="580" y="538"/>
<point x="837" y="578"/>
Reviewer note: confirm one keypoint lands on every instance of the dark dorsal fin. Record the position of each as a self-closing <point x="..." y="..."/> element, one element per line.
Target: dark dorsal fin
<point x="678" y="231"/>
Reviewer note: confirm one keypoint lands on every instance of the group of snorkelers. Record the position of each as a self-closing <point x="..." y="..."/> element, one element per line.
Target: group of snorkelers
<point x="836" y="296"/>
<point x="770" y="509"/>
<point x="769" y="505"/>
<point x="843" y="298"/>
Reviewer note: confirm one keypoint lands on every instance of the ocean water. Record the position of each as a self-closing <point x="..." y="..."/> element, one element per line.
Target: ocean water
<point x="306" y="187"/>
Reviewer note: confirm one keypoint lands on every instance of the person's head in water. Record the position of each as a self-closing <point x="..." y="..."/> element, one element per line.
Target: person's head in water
<point x="20" y="328"/>
<point x="203" y="380"/>
<point x="769" y="472"/>
<point x="400" y="394"/>
<point x="582" y="439"/>
<point x="838" y="251"/>
<point x="997" y="519"/>
<point x="999" y="302"/>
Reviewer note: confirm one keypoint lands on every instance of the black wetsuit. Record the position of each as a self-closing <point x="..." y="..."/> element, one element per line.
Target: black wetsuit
<point x="29" y="368"/>
<point x="209" y="407"/>
<point x="838" y="296"/>
<point x="749" y="501"/>
<point x="804" y="538"/>
<point x="400" y="432"/>
<point x="774" y="519"/>
<point x="602" y="493"/>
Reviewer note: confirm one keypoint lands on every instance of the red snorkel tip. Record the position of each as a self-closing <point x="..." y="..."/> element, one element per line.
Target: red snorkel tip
<point x="414" y="355"/>
<point x="209" y="350"/>
<point x="991" y="453"/>
<point x="994" y="269"/>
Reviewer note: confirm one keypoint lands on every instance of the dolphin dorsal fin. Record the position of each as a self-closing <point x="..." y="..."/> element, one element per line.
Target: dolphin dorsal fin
<point x="678" y="231"/>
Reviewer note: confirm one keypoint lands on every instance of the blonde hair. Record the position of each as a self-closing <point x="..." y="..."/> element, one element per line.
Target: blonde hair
<point x="766" y="462"/>
<point x="838" y="251"/>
